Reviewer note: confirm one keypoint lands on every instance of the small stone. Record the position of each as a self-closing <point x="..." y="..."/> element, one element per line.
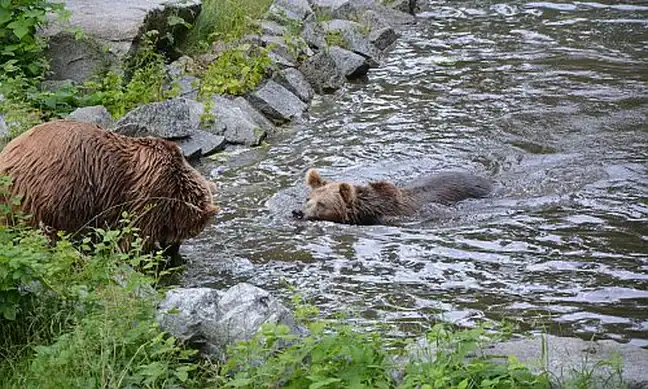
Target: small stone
<point x="97" y="114"/>
<point x="293" y="80"/>
<point x="177" y="118"/>
<point x="276" y="102"/>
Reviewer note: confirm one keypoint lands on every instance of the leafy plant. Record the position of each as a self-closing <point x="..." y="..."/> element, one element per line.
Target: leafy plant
<point x="21" y="49"/>
<point x="335" y="38"/>
<point x="236" y="71"/>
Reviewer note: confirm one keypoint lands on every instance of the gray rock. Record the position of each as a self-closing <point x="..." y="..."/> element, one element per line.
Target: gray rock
<point x="407" y="6"/>
<point x="211" y="320"/>
<point x="279" y="47"/>
<point x="112" y="31"/>
<point x="293" y="80"/>
<point x="322" y="72"/>
<point x="314" y="34"/>
<point x="234" y="124"/>
<point x="177" y="118"/>
<point x="565" y="357"/>
<point x="256" y="116"/>
<point x="276" y="102"/>
<point x="283" y="11"/>
<point x="178" y="77"/>
<point x="356" y="41"/>
<point x="133" y="130"/>
<point x="353" y="9"/>
<point x="201" y="144"/>
<point x="383" y="38"/>
<point x="280" y="61"/>
<point x="97" y="114"/>
<point x="269" y="27"/>
<point x="349" y="63"/>
<point x="4" y="129"/>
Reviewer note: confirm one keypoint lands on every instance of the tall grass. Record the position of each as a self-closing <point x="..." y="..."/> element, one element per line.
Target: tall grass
<point x="224" y="19"/>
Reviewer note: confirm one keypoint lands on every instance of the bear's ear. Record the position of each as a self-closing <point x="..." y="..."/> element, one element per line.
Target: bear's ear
<point x="347" y="191"/>
<point x="313" y="179"/>
<point x="384" y="188"/>
<point x="212" y="209"/>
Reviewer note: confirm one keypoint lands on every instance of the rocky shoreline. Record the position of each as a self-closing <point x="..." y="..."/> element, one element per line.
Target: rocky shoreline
<point x="315" y="47"/>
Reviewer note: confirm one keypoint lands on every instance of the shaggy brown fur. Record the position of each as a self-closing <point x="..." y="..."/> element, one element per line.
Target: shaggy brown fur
<point x="74" y="175"/>
<point x="344" y="202"/>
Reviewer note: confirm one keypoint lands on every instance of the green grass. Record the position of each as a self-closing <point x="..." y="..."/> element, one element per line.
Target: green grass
<point x="224" y="20"/>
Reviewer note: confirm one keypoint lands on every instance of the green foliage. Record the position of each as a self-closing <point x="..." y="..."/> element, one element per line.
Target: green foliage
<point x="21" y="49"/>
<point x="335" y="38"/>
<point x="236" y="71"/>
<point x="329" y="357"/>
<point x="86" y="314"/>
<point x="146" y="82"/>
<point x="456" y="363"/>
<point x="225" y="20"/>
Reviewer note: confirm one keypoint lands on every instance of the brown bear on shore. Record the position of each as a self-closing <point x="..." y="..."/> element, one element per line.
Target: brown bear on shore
<point x="73" y="175"/>
<point x="343" y="202"/>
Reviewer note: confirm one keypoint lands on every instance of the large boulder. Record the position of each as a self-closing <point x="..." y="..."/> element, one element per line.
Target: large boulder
<point x="112" y="31"/>
<point x="201" y="144"/>
<point x="352" y="65"/>
<point x="355" y="39"/>
<point x="293" y="80"/>
<point x="234" y="123"/>
<point x="97" y="114"/>
<point x="322" y="72"/>
<point x="276" y="102"/>
<point x="171" y="119"/>
<point x="210" y="320"/>
<point x="287" y="11"/>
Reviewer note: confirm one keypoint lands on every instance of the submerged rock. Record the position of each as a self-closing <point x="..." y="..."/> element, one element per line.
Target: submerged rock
<point x="97" y="114"/>
<point x="210" y="320"/>
<point x="177" y="118"/>
<point x="276" y="102"/>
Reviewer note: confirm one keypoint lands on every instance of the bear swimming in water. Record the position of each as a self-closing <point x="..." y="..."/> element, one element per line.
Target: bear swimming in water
<point x="374" y="203"/>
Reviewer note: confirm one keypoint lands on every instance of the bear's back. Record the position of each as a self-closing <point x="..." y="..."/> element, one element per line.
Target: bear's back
<point x="449" y="187"/>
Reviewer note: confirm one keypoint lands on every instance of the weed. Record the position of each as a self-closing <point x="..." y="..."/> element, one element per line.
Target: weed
<point x="227" y="20"/>
<point x="236" y="71"/>
<point x="335" y="38"/>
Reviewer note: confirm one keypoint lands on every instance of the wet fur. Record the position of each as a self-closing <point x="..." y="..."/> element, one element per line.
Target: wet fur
<point x="377" y="201"/>
<point x="74" y="175"/>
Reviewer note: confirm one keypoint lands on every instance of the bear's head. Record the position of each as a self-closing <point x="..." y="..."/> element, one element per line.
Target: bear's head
<point x="183" y="199"/>
<point x="329" y="201"/>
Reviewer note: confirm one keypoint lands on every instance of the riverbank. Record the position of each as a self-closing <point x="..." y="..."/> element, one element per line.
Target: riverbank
<point x="84" y="336"/>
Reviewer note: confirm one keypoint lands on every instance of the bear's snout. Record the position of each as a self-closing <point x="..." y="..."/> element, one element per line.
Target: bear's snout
<point x="298" y="214"/>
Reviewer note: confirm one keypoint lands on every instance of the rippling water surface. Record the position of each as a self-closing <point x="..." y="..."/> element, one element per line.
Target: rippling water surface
<point x="548" y="99"/>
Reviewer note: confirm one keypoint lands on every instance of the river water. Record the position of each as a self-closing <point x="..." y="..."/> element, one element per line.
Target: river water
<point x="548" y="99"/>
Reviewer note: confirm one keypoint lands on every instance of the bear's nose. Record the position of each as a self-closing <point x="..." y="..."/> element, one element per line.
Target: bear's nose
<point x="298" y="214"/>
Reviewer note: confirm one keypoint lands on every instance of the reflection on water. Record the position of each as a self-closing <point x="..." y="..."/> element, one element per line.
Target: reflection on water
<point x="548" y="99"/>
